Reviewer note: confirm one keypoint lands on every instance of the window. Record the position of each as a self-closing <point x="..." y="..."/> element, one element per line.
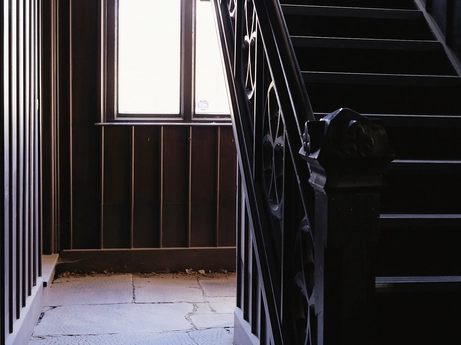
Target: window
<point x="161" y="61"/>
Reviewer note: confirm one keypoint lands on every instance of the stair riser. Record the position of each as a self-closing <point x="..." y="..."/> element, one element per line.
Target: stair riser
<point x="418" y="251"/>
<point x="324" y="26"/>
<point x="387" y="99"/>
<point x="373" y="60"/>
<point x="398" y="4"/>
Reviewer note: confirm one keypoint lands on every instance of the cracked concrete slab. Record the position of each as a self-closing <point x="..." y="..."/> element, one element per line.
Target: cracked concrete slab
<point x="91" y="290"/>
<point x="167" y="289"/>
<point x="222" y="305"/>
<point x="200" y="337"/>
<point x="212" y="320"/>
<point x="219" y="287"/>
<point x="115" y="318"/>
<point x="139" y="309"/>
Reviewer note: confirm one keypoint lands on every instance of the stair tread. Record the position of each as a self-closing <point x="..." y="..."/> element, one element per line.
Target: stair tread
<point x="357" y="12"/>
<point x="419" y="216"/>
<point x="417" y="279"/>
<point x="407" y="221"/>
<point x="380" y="78"/>
<point x="422" y="284"/>
<point x="425" y="166"/>
<point x="368" y="43"/>
<point x="372" y="4"/>
<point x="435" y="120"/>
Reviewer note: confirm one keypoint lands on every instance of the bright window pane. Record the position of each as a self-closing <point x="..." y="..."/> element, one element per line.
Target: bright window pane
<point x="149" y="57"/>
<point x="210" y="88"/>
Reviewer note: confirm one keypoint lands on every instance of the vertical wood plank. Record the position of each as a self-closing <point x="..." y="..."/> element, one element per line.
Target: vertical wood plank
<point x="146" y="223"/>
<point x="117" y="187"/>
<point x="175" y="172"/>
<point x="48" y="105"/>
<point x="85" y="142"/>
<point x="203" y="186"/>
<point x="227" y="188"/>
<point x="63" y="130"/>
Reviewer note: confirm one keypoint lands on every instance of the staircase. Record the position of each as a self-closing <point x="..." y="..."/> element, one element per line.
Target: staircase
<point x="385" y="60"/>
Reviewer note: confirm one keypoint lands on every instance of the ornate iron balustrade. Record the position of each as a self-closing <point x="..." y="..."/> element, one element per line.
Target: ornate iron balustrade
<point x="270" y="108"/>
<point x="285" y="221"/>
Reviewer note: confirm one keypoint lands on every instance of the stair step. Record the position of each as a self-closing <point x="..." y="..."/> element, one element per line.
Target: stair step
<point x="362" y="55"/>
<point x="351" y="12"/>
<point x="418" y="284"/>
<point x="414" y="120"/>
<point x="380" y="79"/>
<point x="425" y="166"/>
<point x="353" y="22"/>
<point x="400" y="4"/>
<point x="366" y="43"/>
<point x="368" y="94"/>
<point x="411" y="221"/>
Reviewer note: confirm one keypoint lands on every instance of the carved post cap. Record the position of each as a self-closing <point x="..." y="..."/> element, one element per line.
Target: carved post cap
<point x="345" y="150"/>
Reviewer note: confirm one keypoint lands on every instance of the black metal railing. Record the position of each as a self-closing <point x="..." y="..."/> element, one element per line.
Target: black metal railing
<point x="296" y="173"/>
<point x="270" y="107"/>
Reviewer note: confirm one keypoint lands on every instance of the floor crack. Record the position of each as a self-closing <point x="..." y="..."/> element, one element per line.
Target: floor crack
<point x="134" y="288"/>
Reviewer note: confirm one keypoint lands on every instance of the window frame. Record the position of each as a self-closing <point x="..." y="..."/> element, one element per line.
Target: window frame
<point x="109" y="78"/>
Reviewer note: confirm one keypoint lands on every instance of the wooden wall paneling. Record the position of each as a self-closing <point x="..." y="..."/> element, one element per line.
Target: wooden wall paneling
<point x="62" y="148"/>
<point x="175" y="186"/>
<point x="227" y="187"/>
<point x="203" y="194"/>
<point x="48" y="127"/>
<point x="85" y="137"/>
<point x="116" y="225"/>
<point x="146" y="217"/>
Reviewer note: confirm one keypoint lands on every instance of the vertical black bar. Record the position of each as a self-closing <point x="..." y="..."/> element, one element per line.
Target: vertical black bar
<point x="4" y="79"/>
<point x="28" y="145"/>
<point x="71" y="120"/>
<point x="187" y="58"/>
<point x="20" y="161"/>
<point x="13" y="164"/>
<point x="36" y="203"/>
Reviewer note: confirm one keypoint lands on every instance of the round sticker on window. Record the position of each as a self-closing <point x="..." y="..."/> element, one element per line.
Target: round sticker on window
<point x="203" y="104"/>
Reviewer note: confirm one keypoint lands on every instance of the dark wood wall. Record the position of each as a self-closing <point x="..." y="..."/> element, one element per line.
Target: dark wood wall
<point x="127" y="186"/>
<point x="20" y="242"/>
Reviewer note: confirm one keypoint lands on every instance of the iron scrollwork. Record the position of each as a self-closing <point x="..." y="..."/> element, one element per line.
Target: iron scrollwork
<point x="273" y="153"/>
<point x="268" y="148"/>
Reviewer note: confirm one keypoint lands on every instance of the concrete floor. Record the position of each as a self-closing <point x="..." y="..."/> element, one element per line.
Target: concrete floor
<point x="180" y="309"/>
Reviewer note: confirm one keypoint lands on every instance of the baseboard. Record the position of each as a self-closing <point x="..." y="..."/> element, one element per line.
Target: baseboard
<point x="242" y="330"/>
<point x="147" y="260"/>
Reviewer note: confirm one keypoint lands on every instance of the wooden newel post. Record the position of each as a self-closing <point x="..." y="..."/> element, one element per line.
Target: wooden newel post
<point x="347" y="154"/>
